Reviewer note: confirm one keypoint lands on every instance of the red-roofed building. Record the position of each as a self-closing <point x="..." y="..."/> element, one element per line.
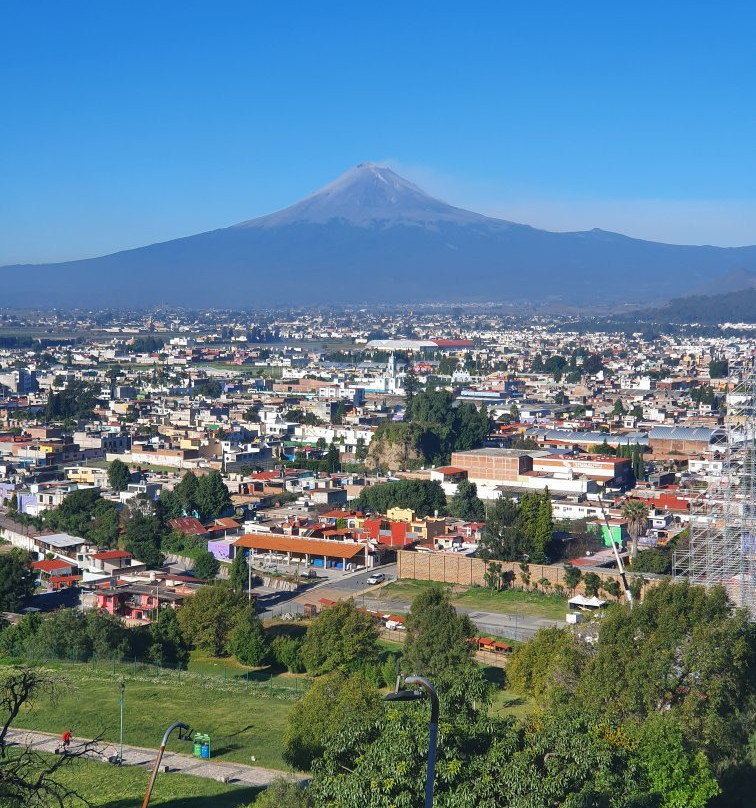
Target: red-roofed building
<point x="113" y="561"/>
<point x="53" y="566"/>
<point x="448" y="474"/>
<point x="452" y="344"/>
<point x="189" y="526"/>
<point x="56" y="582"/>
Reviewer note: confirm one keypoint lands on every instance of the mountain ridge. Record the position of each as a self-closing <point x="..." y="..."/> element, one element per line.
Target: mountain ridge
<point x="369" y="236"/>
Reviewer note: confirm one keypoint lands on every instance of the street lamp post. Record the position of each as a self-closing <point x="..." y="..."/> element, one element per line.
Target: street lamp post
<point x="158" y="758"/>
<point x="122" y="689"/>
<point x="414" y="695"/>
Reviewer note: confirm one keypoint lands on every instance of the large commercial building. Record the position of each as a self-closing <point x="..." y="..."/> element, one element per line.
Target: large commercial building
<point x="495" y="469"/>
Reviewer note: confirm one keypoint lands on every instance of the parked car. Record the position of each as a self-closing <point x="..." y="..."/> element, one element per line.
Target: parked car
<point x="376" y="578"/>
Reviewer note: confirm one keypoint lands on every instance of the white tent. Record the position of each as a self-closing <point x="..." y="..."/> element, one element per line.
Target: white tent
<point x="582" y="602"/>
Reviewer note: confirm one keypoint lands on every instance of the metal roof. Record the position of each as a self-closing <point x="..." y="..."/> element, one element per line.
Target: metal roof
<point x="568" y="436"/>
<point x="62" y="540"/>
<point x="697" y="433"/>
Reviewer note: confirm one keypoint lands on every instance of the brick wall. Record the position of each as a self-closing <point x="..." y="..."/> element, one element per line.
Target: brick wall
<point x="453" y="568"/>
<point x="481" y="466"/>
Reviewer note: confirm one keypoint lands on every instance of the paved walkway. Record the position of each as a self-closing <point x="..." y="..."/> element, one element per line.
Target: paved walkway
<point x="236" y="773"/>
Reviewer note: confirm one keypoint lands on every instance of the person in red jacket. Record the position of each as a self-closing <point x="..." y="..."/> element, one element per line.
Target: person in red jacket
<point x="66" y="738"/>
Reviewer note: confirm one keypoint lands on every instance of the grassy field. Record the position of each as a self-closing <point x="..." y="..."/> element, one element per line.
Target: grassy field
<point x="254" y="370"/>
<point x="509" y="601"/>
<point x="229" y="668"/>
<point x="513" y="601"/>
<point x="241" y="724"/>
<point x="106" y="786"/>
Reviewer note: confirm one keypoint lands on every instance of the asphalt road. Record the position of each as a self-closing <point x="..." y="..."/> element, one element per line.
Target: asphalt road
<point x="513" y="626"/>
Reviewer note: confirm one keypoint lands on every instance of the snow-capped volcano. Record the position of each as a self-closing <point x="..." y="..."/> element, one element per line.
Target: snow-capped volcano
<point x="367" y="193"/>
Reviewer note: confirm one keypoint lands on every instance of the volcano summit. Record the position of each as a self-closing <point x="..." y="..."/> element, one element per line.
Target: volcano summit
<point x="373" y="236"/>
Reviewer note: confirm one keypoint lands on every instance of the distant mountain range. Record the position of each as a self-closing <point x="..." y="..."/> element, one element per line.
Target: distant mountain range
<point x="372" y="236"/>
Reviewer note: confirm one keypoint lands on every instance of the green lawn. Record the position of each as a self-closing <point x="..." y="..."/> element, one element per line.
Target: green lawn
<point x="254" y="370"/>
<point x="507" y="702"/>
<point x="513" y="601"/>
<point x="241" y="723"/>
<point x="106" y="786"/>
<point x="510" y="601"/>
<point x="403" y="589"/>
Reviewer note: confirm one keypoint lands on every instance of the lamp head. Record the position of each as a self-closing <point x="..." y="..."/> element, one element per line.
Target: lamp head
<point x="405" y="695"/>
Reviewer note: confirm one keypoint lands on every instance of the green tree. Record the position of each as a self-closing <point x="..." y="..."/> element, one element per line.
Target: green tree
<point x="543" y="529"/>
<point x="718" y="369"/>
<point x="502" y="538"/>
<point x="678" y="774"/>
<point x="411" y="385"/>
<point x="572" y="577"/>
<point x="331" y="701"/>
<point x="437" y="644"/>
<point x="560" y="759"/>
<point x="592" y="364"/>
<point x="206" y="565"/>
<point x="107" y="634"/>
<point x="76" y="401"/>
<point x="612" y="588"/>
<point x="361" y="450"/>
<point x="470" y="429"/>
<point x="591" y="582"/>
<point x="283" y="793"/>
<point x="548" y="667"/>
<point x="16" y="580"/>
<point x="213" y="498"/>
<point x="421" y="496"/>
<point x="287" y="651"/>
<point x="143" y="537"/>
<point x="169" y="505"/>
<point x="654" y="560"/>
<point x="340" y="413"/>
<point x="62" y="636"/>
<point x="332" y="462"/>
<point x="248" y="641"/>
<point x="209" y="616"/>
<point x="238" y="575"/>
<point x="340" y="638"/>
<point x="465" y="503"/>
<point x="186" y="493"/>
<point x="167" y="643"/>
<point x="636" y="514"/>
<point x="119" y="475"/>
<point x="106" y="527"/>
<point x="681" y="652"/>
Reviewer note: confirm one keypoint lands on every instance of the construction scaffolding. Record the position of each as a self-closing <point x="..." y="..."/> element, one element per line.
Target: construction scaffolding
<point x="722" y="540"/>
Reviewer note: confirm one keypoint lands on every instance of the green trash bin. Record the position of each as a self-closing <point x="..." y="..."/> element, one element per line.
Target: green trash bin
<point x="201" y="741"/>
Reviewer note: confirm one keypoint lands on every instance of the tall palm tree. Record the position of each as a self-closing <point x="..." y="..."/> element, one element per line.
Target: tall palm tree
<point x="636" y="513"/>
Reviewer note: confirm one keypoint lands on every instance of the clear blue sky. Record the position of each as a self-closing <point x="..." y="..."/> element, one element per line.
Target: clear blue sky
<point x="129" y="122"/>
